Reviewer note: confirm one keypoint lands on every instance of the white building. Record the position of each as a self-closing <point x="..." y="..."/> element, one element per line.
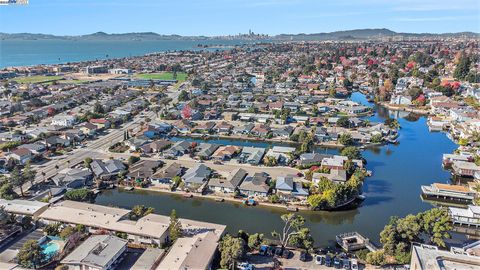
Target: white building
<point x="63" y="120"/>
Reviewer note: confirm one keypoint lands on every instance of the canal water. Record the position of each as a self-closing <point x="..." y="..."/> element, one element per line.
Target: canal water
<point x="393" y="190"/>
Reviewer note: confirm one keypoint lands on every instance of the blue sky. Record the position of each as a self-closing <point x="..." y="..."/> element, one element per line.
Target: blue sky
<point x="219" y="17"/>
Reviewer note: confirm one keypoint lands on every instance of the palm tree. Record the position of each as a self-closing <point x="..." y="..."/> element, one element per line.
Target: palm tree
<point x="17" y="179"/>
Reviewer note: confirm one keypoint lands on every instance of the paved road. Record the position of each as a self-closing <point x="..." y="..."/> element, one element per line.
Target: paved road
<point x="91" y="150"/>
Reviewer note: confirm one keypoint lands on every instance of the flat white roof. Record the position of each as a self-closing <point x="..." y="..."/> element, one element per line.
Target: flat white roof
<point x="23" y="207"/>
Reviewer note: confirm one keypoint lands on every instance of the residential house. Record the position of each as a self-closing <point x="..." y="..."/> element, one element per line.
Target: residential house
<point x="256" y="185"/>
<point x="230" y="184"/>
<point x="196" y="176"/>
<point x="73" y="178"/>
<point x="206" y="150"/>
<point x="105" y="170"/>
<point x="178" y="149"/>
<point x="21" y="155"/>
<point x="63" y="120"/>
<point x="165" y="175"/>
<point x="338" y="176"/>
<point x="251" y="155"/>
<point x="98" y="252"/>
<point x="226" y="152"/>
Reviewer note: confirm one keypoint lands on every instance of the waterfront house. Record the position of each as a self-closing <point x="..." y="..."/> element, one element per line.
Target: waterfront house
<point x="251" y="155"/>
<point x="256" y="185"/>
<point x="260" y="130"/>
<point x="466" y="169"/>
<point x="223" y="128"/>
<point x="226" y="152"/>
<point x="165" y="175"/>
<point x="156" y="146"/>
<point x="206" y="150"/>
<point x="230" y="184"/>
<point x="454" y="193"/>
<point x="98" y="252"/>
<point x="334" y="163"/>
<point x="469" y="216"/>
<point x="281" y="153"/>
<point x="426" y="257"/>
<point x="335" y="175"/>
<point x="73" y="178"/>
<point x="196" y="176"/>
<point x="106" y="170"/>
<point x="205" y="127"/>
<point x="143" y="170"/>
<point x="183" y="126"/>
<point x="243" y="129"/>
<point x="307" y="159"/>
<point x="282" y="132"/>
<point x="178" y="149"/>
<point x="195" y="252"/>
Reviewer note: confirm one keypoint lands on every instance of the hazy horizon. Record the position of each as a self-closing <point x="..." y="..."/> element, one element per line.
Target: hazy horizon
<point x="230" y="17"/>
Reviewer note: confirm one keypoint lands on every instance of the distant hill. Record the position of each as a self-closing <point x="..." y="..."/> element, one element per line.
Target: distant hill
<point x="367" y="34"/>
<point x="360" y="34"/>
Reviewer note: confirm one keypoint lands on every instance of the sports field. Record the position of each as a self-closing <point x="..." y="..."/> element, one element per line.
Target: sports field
<point x="181" y="76"/>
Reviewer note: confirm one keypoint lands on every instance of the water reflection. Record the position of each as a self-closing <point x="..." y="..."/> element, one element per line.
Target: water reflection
<point x="393" y="189"/>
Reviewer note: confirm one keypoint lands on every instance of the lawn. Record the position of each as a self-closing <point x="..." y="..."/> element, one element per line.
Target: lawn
<point x="37" y="79"/>
<point x="181" y="76"/>
<point x="73" y="81"/>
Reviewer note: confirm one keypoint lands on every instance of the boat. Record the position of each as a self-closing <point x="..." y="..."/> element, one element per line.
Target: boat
<point x="129" y="188"/>
<point x="292" y="209"/>
<point x="188" y="195"/>
<point x="250" y="202"/>
<point x="361" y="197"/>
<point x="219" y="199"/>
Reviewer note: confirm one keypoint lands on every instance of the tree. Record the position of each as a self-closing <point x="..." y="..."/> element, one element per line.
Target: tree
<point x="67" y="232"/>
<point x="377" y="138"/>
<point x="139" y="211"/>
<point x="52" y="229"/>
<point x="293" y="224"/>
<point x="232" y="249"/>
<point x="463" y="67"/>
<point x="345" y="139"/>
<point x="392" y="123"/>
<point x="376" y="258"/>
<point x="175" y="227"/>
<point x="28" y="173"/>
<point x="31" y="255"/>
<point x="436" y="224"/>
<point x="87" y="161"/>
<point x="302" y="240"/>
<point x="351" y="152"/>
<point x="255" y="240"/>
<point x="79" y="195"/>
<point x="343" y="122"/>
<point x="98" y="108"/>
<point x="7" y="192"/>
<point x="133" y="159"/>
<point x="183" y="96"/>
<point x="17" y="179"/>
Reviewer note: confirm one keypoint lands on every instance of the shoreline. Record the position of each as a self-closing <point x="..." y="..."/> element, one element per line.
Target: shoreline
<point x="404" y="109"/>
<point x="229" y="199"/>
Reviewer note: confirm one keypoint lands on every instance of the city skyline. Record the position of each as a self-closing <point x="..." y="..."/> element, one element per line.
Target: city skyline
<point x="270" y="17"/>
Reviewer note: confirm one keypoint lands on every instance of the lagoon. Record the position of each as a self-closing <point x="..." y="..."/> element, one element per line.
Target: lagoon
<point x="393" y="190"/>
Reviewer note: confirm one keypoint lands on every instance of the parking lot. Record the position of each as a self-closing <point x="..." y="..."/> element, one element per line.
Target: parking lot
<point x="293" y="262"/>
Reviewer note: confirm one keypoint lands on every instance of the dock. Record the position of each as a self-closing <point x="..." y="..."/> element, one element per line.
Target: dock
<point x="354" y="241"/>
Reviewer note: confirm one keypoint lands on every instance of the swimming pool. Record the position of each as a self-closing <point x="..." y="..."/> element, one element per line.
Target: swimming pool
<point x="50" y="247"/>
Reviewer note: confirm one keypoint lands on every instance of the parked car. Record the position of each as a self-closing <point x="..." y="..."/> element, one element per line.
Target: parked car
<point x="304" y="256"/>
<point x="346" y="264"/>
<point x="263" y="250"/>
<point x="286" y="254"/>
<point x="278" y="252"/>
<point x="328" y="260"/>
<point x="354" y="264"/>
<point x="337" y="263"/>
<point x="245" y="266"/>
<point x="319" y="259"/>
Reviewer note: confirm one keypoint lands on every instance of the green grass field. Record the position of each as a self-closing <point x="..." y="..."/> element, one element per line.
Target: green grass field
<point x="181" y="77"/>
<point x="36" y="79"/>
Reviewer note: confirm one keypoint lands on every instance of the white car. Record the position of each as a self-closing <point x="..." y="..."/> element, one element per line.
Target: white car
<point x="354" y="265"/>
